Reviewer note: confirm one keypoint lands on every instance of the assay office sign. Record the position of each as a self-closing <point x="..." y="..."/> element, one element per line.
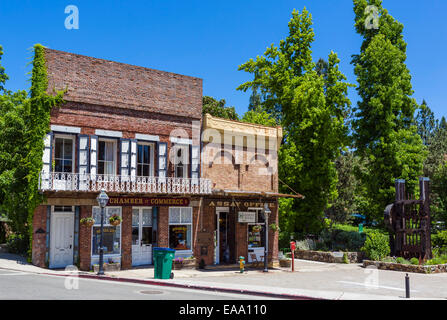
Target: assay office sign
<point x="148" y="202"/>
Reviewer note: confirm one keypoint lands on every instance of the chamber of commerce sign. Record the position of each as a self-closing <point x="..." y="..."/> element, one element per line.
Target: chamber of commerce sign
<point x="148" y="202"/>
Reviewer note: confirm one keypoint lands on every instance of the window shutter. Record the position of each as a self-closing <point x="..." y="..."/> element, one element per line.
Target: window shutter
<point x="162" y="161"/>
<point x="133" y="159"/>
<point x="93" y="157"/>
<point x="194" y="156"/>
<point x="47" y="161"/>
<point x="83" y="167"/>
<point x="124" y="158"/>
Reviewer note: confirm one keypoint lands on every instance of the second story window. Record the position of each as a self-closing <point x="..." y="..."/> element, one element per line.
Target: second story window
<point x="63" y="155"/>
<point x="180" y="167"/>
<point x="145" y="160"/>
<point x="107" y="157"/>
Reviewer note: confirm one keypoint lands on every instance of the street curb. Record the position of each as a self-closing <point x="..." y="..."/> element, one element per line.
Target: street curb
<point x="177" y="285"/>
<point x="207" y="288"/>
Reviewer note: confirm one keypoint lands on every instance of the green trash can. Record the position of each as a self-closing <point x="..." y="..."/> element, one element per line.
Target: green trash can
<point x="163" y="263"/>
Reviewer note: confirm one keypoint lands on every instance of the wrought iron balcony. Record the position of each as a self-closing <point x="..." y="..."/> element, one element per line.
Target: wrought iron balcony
<point x="78" y="182"/>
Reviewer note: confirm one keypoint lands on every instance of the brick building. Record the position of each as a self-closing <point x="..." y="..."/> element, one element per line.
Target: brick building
<point x="138" y="134"/>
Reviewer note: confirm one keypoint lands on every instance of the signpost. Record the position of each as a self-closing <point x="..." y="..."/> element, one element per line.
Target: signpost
<point x="246" y="217"/>
<point x="292" y="249"/>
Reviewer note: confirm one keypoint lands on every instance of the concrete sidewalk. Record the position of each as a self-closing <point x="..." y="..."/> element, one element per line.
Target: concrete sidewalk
<point x="311" y="280"/>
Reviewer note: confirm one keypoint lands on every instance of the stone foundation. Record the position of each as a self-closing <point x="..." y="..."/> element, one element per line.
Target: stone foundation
<point x="406" y="267"/>
<point x="330" y="257"/>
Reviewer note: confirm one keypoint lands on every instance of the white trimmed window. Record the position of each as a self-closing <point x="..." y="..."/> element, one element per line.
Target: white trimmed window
<point x="256" y="236"/>
<point x="111" y="234"/>
<point x="181" y="164"/>
<point x="107" y="156"/>
<point x="180" y="228"/>
<point x="145" y="159"/>
<point x="64" y="153"/>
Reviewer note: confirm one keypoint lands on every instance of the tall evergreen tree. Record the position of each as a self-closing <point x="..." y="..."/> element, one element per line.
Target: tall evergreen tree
<point x="255" y="101"/>
<point x="426" y="123"/>
<point x="311" y="109"/>
<point x="385" y="134"/>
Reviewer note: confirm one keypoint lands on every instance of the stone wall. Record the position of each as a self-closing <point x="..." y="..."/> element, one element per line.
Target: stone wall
<point x="330" y="257"/>
<point x="406" y="267"/>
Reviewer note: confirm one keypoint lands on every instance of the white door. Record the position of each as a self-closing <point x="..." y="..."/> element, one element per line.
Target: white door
<point x="141" y="236"/>
<point x="61" y="239"/>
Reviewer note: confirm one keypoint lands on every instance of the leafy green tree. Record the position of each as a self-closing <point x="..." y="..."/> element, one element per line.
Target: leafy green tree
<point x="218" y="109"/>
<point x="439" y="194"/>
<point x="347" y="202"/>
<point x="3" y="75"/>
<point x="385" y="133"/>
<point x="24" y="121"/>
<point x="311" y="109"/>
<point x="259" y="116"/>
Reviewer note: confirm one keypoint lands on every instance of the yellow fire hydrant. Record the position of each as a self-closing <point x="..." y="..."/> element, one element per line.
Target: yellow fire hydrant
<point x="242" y="263"/>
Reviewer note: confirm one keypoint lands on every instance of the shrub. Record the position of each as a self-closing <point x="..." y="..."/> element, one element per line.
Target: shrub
<point x="414" y="261"/>
<point x="2" y="232"/>
<point x="434" y="261"/>
<point x="439" y="241"/>
<point x="17" y="244"/>
<point x="389" y="259"/>
<point x="345" y="258"/>
<point x="349" y="240"/>
<point x="402" y="260"/>
<point x="307" y="244"/>
<point x="376" y="246"/>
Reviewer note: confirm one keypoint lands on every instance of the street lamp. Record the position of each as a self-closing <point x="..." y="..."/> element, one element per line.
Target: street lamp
<point x="102" y="201"/>
<point x="266" y="213"/>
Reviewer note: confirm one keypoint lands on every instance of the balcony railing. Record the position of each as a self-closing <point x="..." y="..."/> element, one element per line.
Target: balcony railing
<point x="55" y="181"/>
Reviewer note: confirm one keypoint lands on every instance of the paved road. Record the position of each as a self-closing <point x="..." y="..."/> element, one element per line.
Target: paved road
<point x="21" y="285"/>
<point x="337" y="281"/>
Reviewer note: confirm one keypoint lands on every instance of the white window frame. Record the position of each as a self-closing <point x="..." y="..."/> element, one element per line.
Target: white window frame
<point x="258" y="211"/>
<point x="73" y="149"/>
<point x="183" y="147"/>
<point x="188" y="251"/>
<point x="115" y="157"/>
<point x="107" y="224"/>
<point x="151" y="157"/>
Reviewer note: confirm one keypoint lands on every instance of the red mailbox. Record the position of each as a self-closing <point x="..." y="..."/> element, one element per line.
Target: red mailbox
<point x="292" y="246"/>
<point x="292" y="249"/>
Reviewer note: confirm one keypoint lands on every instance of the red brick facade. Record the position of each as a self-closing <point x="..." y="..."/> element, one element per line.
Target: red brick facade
<point x="133" y="100"/>
<point x="39" y="249"/>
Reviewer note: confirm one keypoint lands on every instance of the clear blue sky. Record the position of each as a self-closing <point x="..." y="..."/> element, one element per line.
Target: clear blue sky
<point x="210" y="39"/>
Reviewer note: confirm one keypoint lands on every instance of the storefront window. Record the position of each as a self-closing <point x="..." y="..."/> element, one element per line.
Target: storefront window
<point x="256" y="231"/>
<point x="256" y="236"/>
<point x="180" y="228"/>
<point x="111" y="234"/>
